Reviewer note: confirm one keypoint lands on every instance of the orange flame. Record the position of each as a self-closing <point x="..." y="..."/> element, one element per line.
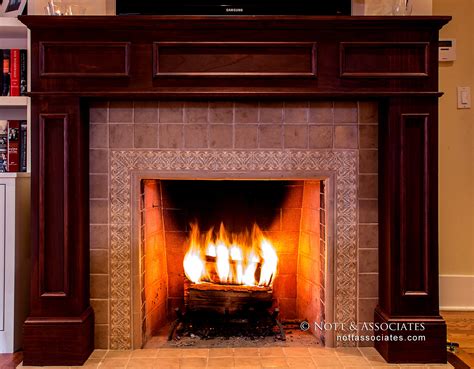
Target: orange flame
<point x="227" y="258"/>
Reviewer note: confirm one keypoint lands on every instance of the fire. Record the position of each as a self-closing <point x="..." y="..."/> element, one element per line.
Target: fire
<point x="246" y="258"/>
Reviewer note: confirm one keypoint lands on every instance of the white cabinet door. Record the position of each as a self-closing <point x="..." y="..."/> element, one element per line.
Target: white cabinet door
<point x="3" y="235"/>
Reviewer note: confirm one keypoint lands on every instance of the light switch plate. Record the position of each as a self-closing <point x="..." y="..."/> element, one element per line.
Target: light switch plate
<point x="464" y="97"/>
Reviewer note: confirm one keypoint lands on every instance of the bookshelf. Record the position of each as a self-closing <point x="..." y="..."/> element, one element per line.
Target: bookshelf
<point x="13" y="101"/>
<point x="14" y="210"/>
<point x="12" y="28"/>
<point x="14" y="34"/>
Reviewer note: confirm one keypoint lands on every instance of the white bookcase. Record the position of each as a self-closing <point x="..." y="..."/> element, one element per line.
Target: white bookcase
<point x="14" y="211"/>
<point x="14" y="34"/>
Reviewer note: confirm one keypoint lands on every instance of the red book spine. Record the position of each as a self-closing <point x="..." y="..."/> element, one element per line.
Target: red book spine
<point x="15" y="72"/>
<point x="13" y="146"/>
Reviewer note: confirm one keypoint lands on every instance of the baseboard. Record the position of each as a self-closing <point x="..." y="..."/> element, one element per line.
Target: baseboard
<point x="456" y="292"/>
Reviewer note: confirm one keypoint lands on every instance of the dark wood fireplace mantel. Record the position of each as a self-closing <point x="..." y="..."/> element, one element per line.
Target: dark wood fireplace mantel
<point x="76" y="59"/>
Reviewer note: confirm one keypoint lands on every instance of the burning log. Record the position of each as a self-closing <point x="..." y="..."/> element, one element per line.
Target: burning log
<point x="231" y="259"/>
<point x="227" y="290"/>
<point x="226" y="310"/>
<point x="227" y="299"/>
<point x="213" y="275"/>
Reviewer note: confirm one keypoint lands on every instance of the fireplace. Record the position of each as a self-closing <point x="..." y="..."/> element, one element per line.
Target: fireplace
<point x="345" y="105"/>
<point x="237" y="247"/>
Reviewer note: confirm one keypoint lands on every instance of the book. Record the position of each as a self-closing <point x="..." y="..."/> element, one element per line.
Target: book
<point x="3" y="145"/>
<point x="23" y="146"/>
<point x="1" y="74"/>
<point x="13" y="146"/>
<point x="6" y="73"/>
<point x="23" y="72"/>
<point x="14" y="72"/>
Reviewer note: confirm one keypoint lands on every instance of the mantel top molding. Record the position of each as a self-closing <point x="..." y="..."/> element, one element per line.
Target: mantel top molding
<point x="290" y="56"/>
<point x="119" y="22"/>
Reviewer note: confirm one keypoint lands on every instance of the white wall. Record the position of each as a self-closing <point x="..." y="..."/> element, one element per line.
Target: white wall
<point x="456" y="157"/>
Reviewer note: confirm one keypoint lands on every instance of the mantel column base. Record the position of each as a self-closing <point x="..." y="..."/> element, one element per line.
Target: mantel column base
<point x="59" y="340"/>
<point x="431" y="350"/>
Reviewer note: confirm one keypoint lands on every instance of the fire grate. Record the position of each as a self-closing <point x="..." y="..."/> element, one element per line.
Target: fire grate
<point x="227" y="311"/>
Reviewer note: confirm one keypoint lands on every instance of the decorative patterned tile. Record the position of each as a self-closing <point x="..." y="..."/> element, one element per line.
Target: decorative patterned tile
<point x="123" y="162"/>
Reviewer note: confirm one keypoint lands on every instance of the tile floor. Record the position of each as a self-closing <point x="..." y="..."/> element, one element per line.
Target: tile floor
<point x="243" y="358"/>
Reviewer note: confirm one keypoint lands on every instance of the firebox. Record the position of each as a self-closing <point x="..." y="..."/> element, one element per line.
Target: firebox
<point x="247" y="254"/>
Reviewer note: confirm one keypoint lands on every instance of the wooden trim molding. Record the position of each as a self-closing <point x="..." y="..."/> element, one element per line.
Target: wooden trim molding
<point x="235" y="59"/>
<point x="384" y="59"/>
<point x="414" y="225"/>
<point x="54" y="162"/>
<point x="408" y="207"/>
<point x="59" y="233"/>
<point x="84" y="59"/>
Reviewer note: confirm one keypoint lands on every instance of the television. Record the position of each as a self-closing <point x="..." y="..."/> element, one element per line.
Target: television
<point x="233" y="7"/>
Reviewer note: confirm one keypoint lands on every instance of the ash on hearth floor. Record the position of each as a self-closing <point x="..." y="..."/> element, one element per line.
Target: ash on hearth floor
<point x="244" y="358"/>
<point x="294" y="337"/>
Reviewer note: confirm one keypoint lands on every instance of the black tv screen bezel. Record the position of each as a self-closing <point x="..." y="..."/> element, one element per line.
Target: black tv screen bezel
<point x="233" y="7"/>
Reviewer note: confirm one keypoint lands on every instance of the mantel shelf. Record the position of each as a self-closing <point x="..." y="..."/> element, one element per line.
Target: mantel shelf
<point x="258" y="22"/>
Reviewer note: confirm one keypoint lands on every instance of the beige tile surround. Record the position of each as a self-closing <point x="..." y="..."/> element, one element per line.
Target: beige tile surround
<point x="213" y="126"/>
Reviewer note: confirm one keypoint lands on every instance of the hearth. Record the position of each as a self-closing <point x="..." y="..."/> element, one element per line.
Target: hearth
<point x="239" y="254"/>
